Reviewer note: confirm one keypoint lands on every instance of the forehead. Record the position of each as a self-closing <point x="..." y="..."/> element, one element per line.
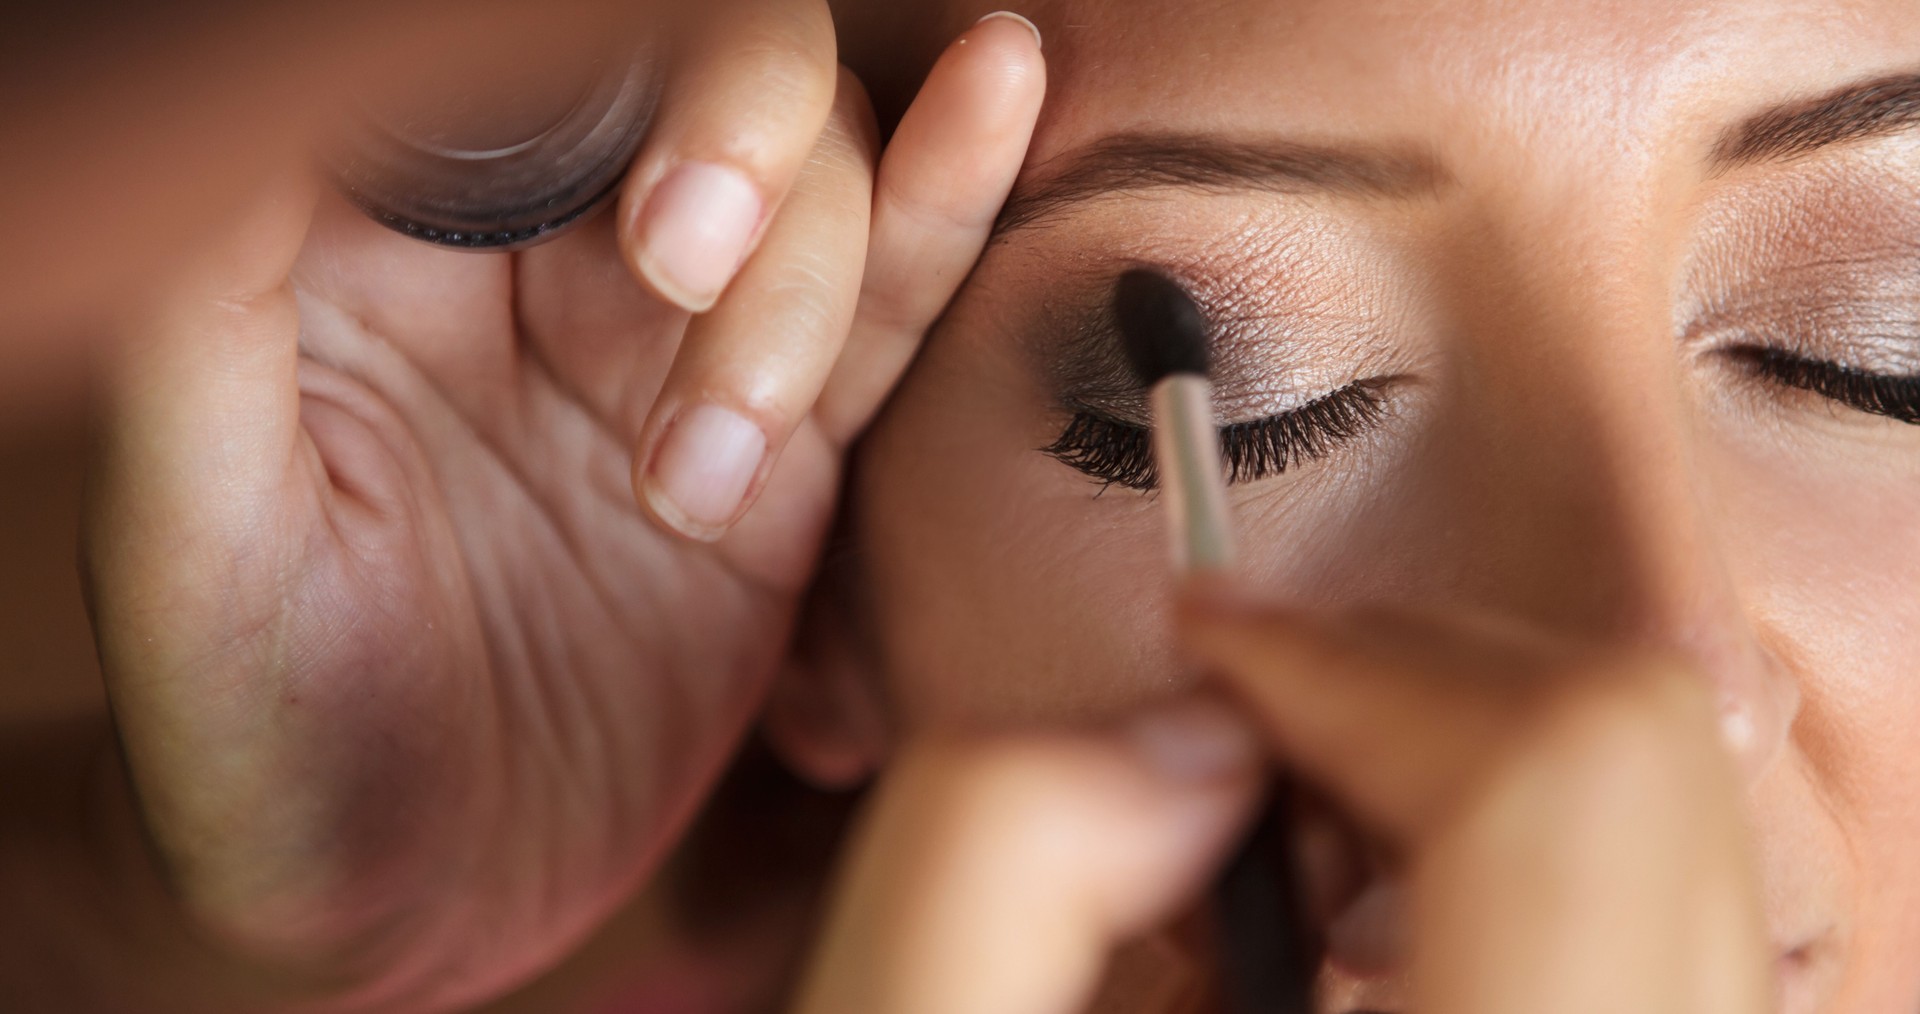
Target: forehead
<point x="1464" y="77"/>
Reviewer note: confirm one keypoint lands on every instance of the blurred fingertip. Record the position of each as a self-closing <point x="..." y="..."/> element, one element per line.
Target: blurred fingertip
<point x="1211" y="599"/>
<point x="1197" y="739"/>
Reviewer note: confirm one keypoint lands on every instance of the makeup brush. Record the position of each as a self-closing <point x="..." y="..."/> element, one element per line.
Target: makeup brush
<point x="1165" y="337"/>
<point x="1267" y="956"/>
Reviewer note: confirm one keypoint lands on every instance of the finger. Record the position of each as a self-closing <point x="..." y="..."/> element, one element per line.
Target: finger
<point x="945" y="174"/>
<point x="995" y="875"/>
<point x="1400" y="713"/>
<point x="739" y="117"/>
<point x="749" y="371"/>
<point x="1390" y="729"/>
<point x="1571" y="826"/>
<point x="203" y="409"/>
<point x="200" y="435"/>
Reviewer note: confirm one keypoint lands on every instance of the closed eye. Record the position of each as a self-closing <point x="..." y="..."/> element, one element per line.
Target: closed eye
<point x="1891" y="395"/>
<point x="1119" y="453"/>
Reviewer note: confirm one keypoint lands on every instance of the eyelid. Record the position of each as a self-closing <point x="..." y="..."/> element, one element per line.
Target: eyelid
<point x="1880" y="337"/>
<point x="1253" y="379"/>
<point x="1839" y="284"/>
<point x="1275" y="345"/>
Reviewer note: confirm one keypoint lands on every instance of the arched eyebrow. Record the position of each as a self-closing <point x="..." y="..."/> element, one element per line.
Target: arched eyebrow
<point x="1857" y="112"/>
<point x="1209" y="163"/>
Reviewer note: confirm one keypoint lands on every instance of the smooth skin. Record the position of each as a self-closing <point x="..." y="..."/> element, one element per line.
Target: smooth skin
<point x="410" y="692"/>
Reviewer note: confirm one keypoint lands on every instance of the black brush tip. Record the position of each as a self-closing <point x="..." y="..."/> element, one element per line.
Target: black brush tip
<point x="1160" y="325"/>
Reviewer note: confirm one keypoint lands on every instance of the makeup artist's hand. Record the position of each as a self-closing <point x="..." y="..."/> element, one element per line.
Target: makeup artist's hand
<point x="1567" y="828"/>
<point x="410" y="690"/>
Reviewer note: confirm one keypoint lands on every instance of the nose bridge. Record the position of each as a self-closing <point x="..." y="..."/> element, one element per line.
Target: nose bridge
<point x="1571" y="391"/>
<point x="1594" y="488"/>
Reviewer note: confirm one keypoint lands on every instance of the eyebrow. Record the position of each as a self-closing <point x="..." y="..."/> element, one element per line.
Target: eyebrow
<point x="1139" y="161"/>
<point x="1212" y="163"/>
<point x="1855" y="113"/>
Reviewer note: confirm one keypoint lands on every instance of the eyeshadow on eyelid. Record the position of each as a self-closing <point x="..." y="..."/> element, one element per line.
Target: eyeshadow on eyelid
<point x="1856" y="303"/>
<point x="1299" y="303"/>
<point x="1269" y="354"/>
<point x="1821" y="259"/>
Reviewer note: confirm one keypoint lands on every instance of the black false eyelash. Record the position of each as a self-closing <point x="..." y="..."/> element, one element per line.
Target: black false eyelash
<point x="1881" y="394"/>
<point x="1117" y="453"/>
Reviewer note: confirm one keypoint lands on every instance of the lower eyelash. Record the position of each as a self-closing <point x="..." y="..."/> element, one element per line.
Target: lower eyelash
<point x="1117" y="453"/>
<point x="1881" y="394"/>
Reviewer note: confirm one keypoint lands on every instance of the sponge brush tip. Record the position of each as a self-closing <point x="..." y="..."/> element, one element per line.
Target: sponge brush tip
<point x="1161" y="327"/>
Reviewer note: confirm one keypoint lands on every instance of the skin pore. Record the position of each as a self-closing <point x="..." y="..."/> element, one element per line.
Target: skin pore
<point x="1626" y="287"/>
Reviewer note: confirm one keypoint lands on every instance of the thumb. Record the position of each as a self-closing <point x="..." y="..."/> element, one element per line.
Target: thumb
<point x="201" y="421"/>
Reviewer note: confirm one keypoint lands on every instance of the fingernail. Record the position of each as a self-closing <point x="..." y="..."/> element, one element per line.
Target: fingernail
<point x="1195" y="741"/>
<point x="1011" y="16"/>
<point x="702" y="470"/>
<point x="695" y="230"/>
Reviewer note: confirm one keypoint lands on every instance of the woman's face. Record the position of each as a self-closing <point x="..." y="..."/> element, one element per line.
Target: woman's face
<point x="1594" y="315"/>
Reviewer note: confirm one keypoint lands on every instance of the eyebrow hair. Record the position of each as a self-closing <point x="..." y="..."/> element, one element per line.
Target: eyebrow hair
<point x="1137" y="161"/>
<point x="1212" y="163"/>
<point x="1854" y="113"/>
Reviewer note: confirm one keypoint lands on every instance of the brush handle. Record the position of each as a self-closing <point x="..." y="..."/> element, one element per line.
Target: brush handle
<point x="1186" y="450"/>
<point x="1269" y="957"/>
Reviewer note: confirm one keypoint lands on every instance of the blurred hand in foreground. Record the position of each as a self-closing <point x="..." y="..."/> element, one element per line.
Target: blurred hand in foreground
<point x="411" y="689"/>
<point x="1567" y="826"/>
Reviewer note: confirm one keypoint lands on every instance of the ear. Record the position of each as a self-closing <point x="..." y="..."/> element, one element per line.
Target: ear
<point x="825" y="715"/>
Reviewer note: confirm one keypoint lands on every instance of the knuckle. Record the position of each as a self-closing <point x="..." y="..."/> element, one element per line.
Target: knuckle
<point x="892" y="311"/>
<point x="937" y="211"/>
<point x="851" y="127"/>
<point x="844" y="154"/>
<point x="978" y="781"/>
<point x="790" y="71"/>
<point x="813" y="267"/>
<point x="809" y="311"/>
<point x="1573" y="726"/>
<point x="805" y="25"/>
<point x="757" y="89"/>
<point x="1623" y="707"/>
<point x="840" y="167"/>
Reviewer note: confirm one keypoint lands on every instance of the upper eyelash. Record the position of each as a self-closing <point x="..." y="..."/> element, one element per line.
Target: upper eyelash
<point x="1118" y="453"/>
<point x="1894" y="397"/>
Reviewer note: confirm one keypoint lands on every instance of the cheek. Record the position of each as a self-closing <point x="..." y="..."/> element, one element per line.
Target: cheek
<point x="1828" y="555"/>
<point x="999" y="588"/>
